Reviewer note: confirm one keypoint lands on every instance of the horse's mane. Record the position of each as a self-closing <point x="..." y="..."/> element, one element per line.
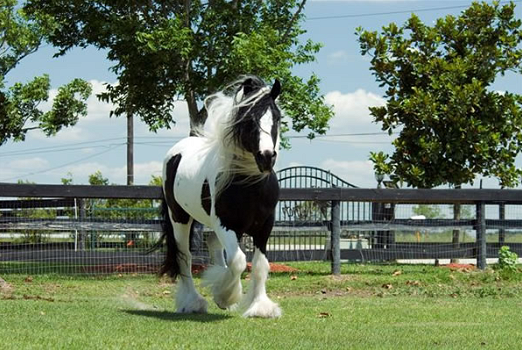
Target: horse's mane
<point x="229" y="159"/>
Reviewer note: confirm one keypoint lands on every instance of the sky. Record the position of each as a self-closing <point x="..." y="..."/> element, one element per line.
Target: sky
<point x="97" y="142"/>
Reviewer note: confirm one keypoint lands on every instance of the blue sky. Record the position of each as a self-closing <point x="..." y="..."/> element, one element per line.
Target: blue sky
<point x="97" y="142"/>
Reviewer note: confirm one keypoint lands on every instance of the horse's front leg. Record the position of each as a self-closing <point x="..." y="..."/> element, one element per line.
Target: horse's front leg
<point x="225" y="281"/>
<point x="256" y="302"/>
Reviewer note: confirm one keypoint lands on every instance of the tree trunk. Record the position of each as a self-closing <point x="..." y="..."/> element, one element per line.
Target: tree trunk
<point x="190" y="96"/>
<point x="196" y="117"/>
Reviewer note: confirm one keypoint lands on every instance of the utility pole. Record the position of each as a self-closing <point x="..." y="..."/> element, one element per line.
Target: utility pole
<point x="130" y="149"/>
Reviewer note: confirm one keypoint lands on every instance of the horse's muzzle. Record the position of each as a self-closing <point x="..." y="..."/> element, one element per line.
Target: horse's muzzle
<point x="266" y="160"/>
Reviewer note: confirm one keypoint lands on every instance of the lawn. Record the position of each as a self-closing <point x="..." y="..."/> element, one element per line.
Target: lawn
<point x="367" y="307"/>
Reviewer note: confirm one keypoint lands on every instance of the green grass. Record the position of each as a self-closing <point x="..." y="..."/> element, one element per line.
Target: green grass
<point x="367" y="307"/>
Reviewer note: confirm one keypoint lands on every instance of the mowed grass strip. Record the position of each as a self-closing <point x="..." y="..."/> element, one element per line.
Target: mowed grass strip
<point x="367" y="307"/>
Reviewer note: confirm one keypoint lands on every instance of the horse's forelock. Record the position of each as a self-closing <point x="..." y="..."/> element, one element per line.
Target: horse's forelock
<point x="228" y="108"/>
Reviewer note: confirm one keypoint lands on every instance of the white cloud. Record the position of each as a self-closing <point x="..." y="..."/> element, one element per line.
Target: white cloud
<point x="34" y="163"/>
<point x="180" y="129"/>
<point x="351" y="111"/>
<point x="338" y="56"/>
<point x="74" y="133"/>
<point x="115" y="174"/>
<point x="359" y="173"/>
<point x="96" y="109"/>
<point x="365" y="0"/>
<point x="11" y="170"/>
<point x="98" y="125"/>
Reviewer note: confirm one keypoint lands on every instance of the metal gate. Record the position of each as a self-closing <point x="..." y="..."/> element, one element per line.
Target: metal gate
<point x="302" y="229"/>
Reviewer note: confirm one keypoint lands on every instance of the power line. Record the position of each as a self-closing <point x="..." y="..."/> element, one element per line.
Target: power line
<point x="395" y="12"/>
<point x="162" y="141"/>
<point x="64" y="165"/>
<point x="58" y="148"/>
<point x="338" y="135"/>
<point x="356" y="142"/>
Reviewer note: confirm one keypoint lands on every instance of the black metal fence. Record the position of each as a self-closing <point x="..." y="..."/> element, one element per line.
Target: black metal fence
<point x="84" y="229"/>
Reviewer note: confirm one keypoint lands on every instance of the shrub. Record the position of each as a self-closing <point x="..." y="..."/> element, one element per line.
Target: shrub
<point x="507" y="259"/>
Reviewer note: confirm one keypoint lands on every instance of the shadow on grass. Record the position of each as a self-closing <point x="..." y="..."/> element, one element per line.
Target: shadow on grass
<point x="172" y="316"/>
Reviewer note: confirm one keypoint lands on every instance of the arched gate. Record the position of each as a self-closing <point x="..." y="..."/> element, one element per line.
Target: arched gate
<point x="302" y="229"/>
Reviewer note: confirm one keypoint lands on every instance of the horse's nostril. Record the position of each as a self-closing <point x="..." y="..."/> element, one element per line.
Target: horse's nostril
<point x="266" y="155"/>
<point x="269" y="154"/>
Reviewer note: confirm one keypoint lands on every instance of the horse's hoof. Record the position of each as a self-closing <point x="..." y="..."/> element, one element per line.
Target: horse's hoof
<point x="221" y="307"/>
<point x="195" y="305"/>
<point x="264" y="308"/>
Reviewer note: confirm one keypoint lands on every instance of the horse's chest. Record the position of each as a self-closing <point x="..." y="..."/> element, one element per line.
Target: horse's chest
<point x="246" y="208"/>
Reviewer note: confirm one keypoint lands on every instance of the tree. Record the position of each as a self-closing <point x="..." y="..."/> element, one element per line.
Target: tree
<point x="165" y="51"/>
<point x="428" y="211"/>
<point x="452" y="125"/>
<point x="19" y="110"/>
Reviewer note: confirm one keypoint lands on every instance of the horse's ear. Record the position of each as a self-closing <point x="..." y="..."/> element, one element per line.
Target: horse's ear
<point x="276" y="89"/>
<point x="248" y="86"/>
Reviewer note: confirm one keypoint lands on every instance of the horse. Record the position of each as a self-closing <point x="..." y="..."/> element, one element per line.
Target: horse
<point x="223" y="178"/>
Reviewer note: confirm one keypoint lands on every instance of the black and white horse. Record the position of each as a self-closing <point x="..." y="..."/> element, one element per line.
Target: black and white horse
<point x="224" y="179"/>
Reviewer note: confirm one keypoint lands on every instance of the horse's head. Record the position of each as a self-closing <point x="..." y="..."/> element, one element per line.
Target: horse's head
<point x="257" y="122"/>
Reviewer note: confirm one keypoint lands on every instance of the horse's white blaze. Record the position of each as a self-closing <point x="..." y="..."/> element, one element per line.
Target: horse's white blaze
<point x="266" y="143"/>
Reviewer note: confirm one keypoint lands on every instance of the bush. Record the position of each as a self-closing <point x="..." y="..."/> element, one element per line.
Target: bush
<point x="507" y="259"/>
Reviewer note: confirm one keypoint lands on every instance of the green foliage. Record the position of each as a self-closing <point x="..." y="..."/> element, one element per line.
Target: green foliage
<point x="429" y="211"/>
<point x="34" y="236"/>
<point x="19" y="111"/>
<point x="507" y="260"/>
<point x="307" y="211"/>
<point x="124" y="209"/>
<point x="68" y="180"/>
<point x="438" y="79"/>
<point x="167" y="51"/>
<point x="438" y="211"/>
<point x="98" y="179"/>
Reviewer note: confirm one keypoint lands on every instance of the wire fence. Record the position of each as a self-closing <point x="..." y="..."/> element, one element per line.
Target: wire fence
<point x="79" y="235"/>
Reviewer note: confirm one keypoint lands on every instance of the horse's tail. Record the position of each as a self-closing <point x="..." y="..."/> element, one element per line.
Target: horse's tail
<point x="170" y="265"/>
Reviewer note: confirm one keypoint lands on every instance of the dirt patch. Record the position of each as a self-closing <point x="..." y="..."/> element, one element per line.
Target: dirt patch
<point x="276" y="268"/>
<point x="342" y="278"/>
<point x="460" y="267"/>
<point x="273" y="268"/>
<point x="137" y="268"/>
<point x="120" y="268"/>
<point x="4" y="286"/>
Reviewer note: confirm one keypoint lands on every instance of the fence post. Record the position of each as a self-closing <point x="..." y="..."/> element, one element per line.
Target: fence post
<point x="481" y="236"/>
<point x="336" y="238"/>
<point x="81" y="233"/>
<point x="502" y="231"/>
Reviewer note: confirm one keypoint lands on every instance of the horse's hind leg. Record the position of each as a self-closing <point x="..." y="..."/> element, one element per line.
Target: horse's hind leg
<point x="215" y="250"/>
<point x="225" y="281"/>
<point x="188" y="300"/>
